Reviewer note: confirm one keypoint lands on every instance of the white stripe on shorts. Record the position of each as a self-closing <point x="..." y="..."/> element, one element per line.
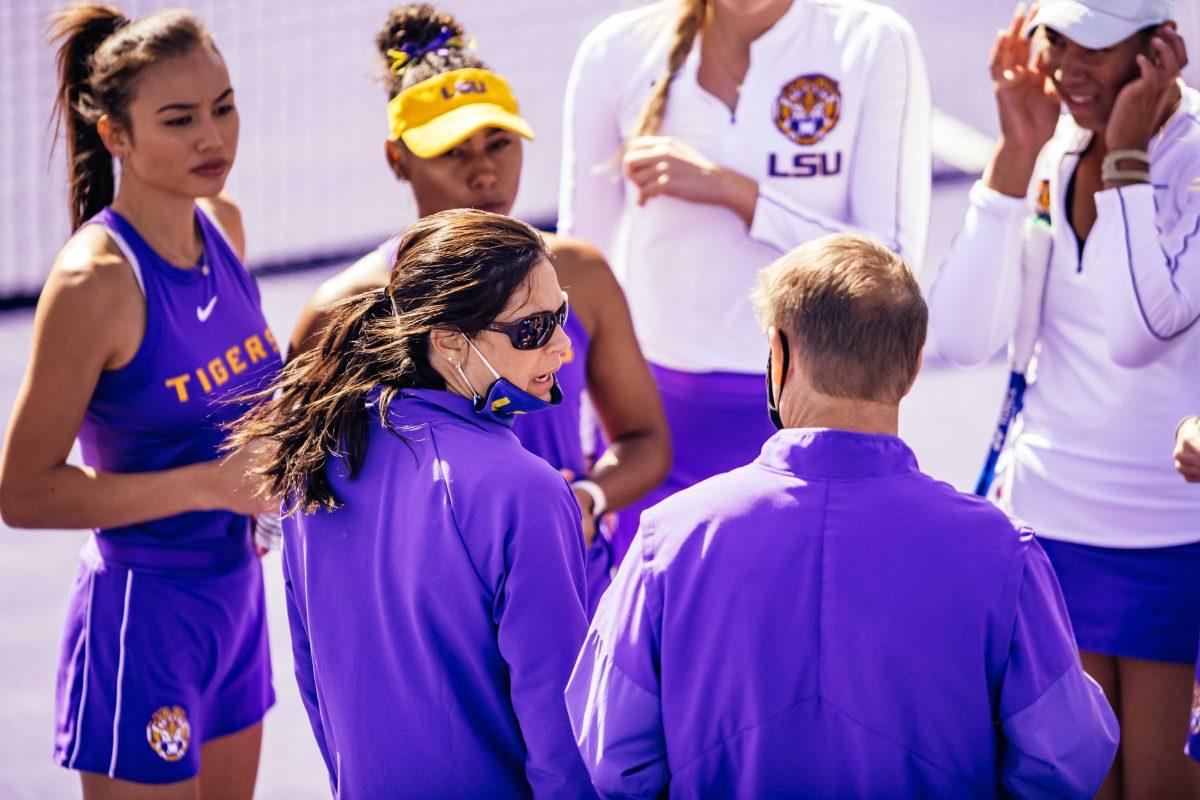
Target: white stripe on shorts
<point x="87" y="655"/>
<point x="112" y="765"/>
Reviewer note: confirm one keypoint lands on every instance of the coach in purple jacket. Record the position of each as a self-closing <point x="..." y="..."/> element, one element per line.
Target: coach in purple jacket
<point x="434" y="567"/>
<point x="828" y="621"/>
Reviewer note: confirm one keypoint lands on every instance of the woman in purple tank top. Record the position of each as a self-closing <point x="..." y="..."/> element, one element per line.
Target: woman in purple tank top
<point x="456" y="139"/>
<point x="147" y="331"/>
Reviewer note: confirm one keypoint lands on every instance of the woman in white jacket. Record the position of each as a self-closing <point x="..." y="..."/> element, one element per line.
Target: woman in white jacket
<point x="745" y="129"/>
<point x="1116" y="366"/>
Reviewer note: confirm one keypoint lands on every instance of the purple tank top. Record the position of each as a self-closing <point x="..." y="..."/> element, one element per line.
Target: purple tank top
<point x="555" y="434"/>
<point x="206" y="343"/>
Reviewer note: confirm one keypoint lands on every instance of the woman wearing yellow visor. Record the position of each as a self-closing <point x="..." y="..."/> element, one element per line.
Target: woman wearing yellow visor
<point x="456" y="140"/>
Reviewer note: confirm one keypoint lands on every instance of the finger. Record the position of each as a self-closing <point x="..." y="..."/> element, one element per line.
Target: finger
<point x="1184" y="462"/>
<point x="633" y="160"/>
<point x="1169" y="60"/>
<point x="1171" y="36"/>
<point x="996" y="63"/>
<point x="648" y="171"/>
<point x="1037" y="64"/>
<point x="1018" y="22"/>
<point x="1178" y="45"/>
<point x="643" y="179"/>
<point x="1023" y="53"/>
<point x="1148" y="72"/>
<point x="659" y="186"/>
<point x="567" y="473"/>
<point x="1187" y="470"/>
<point x="1161" y="55"/>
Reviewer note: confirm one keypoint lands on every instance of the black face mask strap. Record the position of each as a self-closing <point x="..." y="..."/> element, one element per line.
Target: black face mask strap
<point x="772" y="400"/>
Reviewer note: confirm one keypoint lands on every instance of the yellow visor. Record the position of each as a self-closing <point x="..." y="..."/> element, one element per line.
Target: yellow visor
<point x="438" y="114"/>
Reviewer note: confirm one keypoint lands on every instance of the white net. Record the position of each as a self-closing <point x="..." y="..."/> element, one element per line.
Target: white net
<point x="310" y="174"/>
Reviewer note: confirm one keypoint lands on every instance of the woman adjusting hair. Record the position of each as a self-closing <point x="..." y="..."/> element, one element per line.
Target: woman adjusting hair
<point x="1082" y="229"/>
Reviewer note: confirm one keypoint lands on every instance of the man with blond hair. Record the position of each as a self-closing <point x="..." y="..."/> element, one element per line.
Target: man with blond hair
<point x="828" y="621"/>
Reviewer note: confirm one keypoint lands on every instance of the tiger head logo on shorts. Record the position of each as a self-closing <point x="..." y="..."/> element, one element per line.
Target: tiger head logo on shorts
<point x="808" y="108"/>
<point x="168" y="732"/>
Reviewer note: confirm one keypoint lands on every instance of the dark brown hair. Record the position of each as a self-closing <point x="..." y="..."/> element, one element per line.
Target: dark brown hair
<point x="100" y="55"/>
<point x="414" y="27"/>
<point x="853" y="313"/>
<point x="687" y="27"/>
<point x="455" y="269"/>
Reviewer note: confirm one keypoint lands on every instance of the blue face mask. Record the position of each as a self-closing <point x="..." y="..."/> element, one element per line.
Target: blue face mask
<point x="503" y="400"/>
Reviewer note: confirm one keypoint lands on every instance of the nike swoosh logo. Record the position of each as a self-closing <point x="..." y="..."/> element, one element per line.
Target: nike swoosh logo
<point x="203" y="314"/>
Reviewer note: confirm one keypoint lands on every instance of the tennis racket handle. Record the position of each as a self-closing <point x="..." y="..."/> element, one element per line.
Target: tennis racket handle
<point x="1036" y="251"/>
<point x="1014" y="400"/>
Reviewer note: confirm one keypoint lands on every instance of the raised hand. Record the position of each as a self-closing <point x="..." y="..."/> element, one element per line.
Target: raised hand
<point x="1144" y="101"/>
<point x="1028" y="104"/>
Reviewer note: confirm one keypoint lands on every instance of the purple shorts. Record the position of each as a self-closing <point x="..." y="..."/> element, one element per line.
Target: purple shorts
<point x="156" y="662"/>
<point x="1133" y="603"/>
<point x="718" y="422"/>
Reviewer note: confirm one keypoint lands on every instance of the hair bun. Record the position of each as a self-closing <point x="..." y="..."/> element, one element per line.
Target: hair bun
<point x="413" y="27"/>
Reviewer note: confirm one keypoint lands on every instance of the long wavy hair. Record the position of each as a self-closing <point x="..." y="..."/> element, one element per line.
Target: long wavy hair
<point x="455" y="269"/>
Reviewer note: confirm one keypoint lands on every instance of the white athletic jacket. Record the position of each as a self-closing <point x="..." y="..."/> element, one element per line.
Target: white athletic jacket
<point x="1119" y="359"/>
<point x="833" y="123"/>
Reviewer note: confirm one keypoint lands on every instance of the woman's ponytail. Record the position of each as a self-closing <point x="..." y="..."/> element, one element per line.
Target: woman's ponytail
<point x="80" y="30"/>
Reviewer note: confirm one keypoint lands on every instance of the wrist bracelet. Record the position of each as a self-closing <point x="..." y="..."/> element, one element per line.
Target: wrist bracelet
<point x="1110" y="171"/>
<point x="593" y="490"/>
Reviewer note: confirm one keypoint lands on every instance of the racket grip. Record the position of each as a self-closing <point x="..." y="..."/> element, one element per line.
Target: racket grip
<point x="1036" y="251"/>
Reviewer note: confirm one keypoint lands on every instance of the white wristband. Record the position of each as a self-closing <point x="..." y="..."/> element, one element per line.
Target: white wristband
<point x="599" y="500"/>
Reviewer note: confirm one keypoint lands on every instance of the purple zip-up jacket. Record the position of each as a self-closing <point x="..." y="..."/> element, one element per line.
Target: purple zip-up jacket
<point x="436" y="614"/>
<point x="830" y="622"/>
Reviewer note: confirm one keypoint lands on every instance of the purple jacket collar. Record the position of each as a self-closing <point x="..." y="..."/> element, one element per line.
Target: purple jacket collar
<point x="426" y="403"/>
<point x="823" y="453"/>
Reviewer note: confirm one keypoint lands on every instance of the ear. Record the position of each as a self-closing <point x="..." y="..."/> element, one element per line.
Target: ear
<point x="114" y="136"/>
<point x="776" y="346"/>
<point x="448" y="347"/>
<point x="395" y="152"/>
<point x="916" y="372"/>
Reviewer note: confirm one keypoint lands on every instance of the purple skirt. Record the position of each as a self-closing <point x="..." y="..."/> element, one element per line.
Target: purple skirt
<point x="718" y="422"/>
<point x="1135" y="603"/>
<point x="155" y="662"/>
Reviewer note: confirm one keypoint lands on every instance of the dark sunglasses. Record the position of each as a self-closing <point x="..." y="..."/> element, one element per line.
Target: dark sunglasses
<point x="534" y="331"/>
